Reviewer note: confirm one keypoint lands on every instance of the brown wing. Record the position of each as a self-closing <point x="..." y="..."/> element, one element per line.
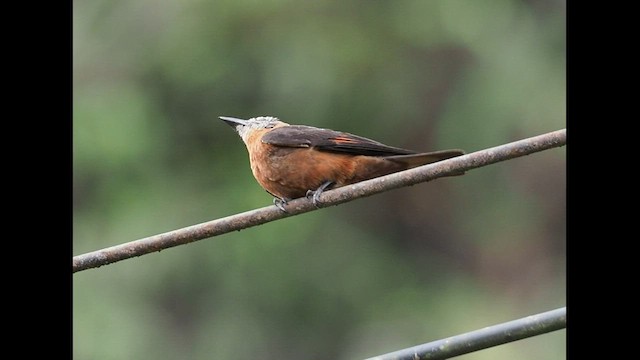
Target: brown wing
<point x="329" y="140"/>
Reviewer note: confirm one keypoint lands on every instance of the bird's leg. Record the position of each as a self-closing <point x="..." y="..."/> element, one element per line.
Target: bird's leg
<point x="315" y="194"/>
<point x="280" y="202"/>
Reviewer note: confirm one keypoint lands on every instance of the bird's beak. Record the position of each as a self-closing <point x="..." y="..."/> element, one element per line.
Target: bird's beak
<point x="233" y="122"/>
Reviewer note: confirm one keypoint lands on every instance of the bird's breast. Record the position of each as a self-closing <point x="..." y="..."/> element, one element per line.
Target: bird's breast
<point x="290" y="172"/>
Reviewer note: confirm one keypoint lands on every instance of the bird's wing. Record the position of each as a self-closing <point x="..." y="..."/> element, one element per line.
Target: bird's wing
<point x="329" y="140"/>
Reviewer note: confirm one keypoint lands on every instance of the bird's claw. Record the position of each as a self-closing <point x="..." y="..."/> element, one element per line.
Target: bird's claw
<point x="314" y="195"/>
<point x="280" y="203"/>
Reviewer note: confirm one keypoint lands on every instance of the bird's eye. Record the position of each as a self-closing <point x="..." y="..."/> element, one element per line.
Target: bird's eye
<point x="269" y="126"/>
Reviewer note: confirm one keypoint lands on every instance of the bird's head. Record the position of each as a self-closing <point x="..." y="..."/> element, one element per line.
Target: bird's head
<point x="246" y="127"/>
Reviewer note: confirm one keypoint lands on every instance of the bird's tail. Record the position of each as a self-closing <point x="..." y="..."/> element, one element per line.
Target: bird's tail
<point x="415" y="160"/>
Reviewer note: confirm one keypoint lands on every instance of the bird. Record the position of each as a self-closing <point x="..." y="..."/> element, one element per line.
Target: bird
<point x="292" y="161"/>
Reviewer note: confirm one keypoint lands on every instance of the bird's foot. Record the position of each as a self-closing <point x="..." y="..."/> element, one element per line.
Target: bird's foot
<point x="280" y="203"/>
<point x="315" y="194"/>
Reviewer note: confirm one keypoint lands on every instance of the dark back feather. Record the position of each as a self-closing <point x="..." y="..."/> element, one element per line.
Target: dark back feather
<point x="329" y="140"/>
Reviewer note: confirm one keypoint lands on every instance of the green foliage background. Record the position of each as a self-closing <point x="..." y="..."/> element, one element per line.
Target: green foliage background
<point x="361" y="279"/>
